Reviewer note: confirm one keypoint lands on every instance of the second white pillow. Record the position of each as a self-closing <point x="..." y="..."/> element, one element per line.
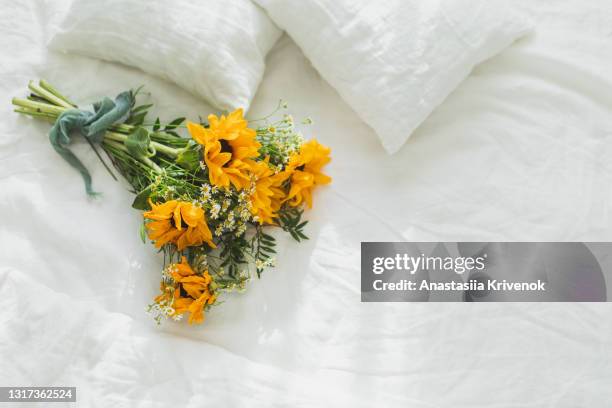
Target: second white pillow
<point x="395" y="61"/>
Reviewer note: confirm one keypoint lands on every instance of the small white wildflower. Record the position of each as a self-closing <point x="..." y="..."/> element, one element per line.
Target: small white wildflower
<point x="167" y="272"/>
<point x="226" y="204"/>
<point x="219" y="230"/>
<point x="245" y="214"/>
<point x="214" y="211"/>
<point x="241" y="230"/>
<point x="203" y="165"/>
<point x="228" y="225"/>
<point x="177" y="317"/>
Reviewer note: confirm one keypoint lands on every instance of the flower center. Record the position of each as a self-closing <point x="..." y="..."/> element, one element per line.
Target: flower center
<point x="225" y="146"/>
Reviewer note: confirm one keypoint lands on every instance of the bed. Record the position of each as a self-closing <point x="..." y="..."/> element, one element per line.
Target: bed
<point x="520" y="151"/>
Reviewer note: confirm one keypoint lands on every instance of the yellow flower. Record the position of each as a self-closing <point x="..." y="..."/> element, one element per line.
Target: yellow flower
<point x="178" y="222"/>
<point x="305" y="170"/>
<point x="197" y="307"/>
<point x="268" y="195"/>
<point x="196" y="287"/>
<point x="229" y="147"/>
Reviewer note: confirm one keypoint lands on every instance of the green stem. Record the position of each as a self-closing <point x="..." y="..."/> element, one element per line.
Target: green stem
<point x="38" y="106"/>
<point x="168" y="151"/>
<point x="36" y="98"/>
<point x="93" y="147"/>
<point x="115" y="145"/>
<point x="51" y="118"/>
<point x="119" y="146"/>
<point x="151" y="164"/>
<point x="48" y="87"/>
<point x="117" y="137"/>
<point x="43" y="93"/>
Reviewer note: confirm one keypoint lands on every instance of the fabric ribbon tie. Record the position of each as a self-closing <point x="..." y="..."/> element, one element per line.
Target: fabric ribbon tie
<point x="92" y="125"/>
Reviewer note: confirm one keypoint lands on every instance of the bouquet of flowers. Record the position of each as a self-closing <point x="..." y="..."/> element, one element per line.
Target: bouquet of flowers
<point x="207" y="199"/>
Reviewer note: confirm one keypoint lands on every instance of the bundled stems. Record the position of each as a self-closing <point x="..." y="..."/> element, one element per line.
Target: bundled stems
<point x="46" y="103"/>
<point x="51" y="112"/>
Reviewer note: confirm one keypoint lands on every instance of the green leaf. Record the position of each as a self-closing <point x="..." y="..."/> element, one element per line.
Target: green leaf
<point x="267" y="237"/>
<point x="188" y="159"/>
<point x="141" y="202"/>
<point x="136" y="119"/>
<point x="157" y="125"/>
<point x="174" y="124"/>
<point x="141" y="108"/>
<point x="138" y="142"/>
<point x="135" y="92"/>
<point x="143" y="235"/>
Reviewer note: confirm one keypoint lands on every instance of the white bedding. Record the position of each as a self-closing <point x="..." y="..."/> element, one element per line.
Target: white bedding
<point x="521" y="151"/>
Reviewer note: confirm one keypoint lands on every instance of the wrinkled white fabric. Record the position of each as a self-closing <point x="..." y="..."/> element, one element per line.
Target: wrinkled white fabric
<point x="521" y="151"/>
<point x="395" y="61"/>
<point x="213" y="48"/>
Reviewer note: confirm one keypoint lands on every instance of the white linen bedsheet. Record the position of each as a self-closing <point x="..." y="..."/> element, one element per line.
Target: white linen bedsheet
<point x="521" y="151"/>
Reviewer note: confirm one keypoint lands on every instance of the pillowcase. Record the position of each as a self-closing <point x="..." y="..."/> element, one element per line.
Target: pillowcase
<point x="212" y="48"/>
<point x="395" y="61"/>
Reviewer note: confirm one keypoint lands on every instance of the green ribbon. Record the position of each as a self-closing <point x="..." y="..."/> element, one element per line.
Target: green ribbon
<point x="91" y="125"/>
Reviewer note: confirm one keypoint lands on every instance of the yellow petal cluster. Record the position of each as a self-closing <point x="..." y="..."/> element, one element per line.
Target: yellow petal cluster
<point x="268" y="194"/>
<point x="189" y="292"/>
<point x="229" y="147"/>
<point x="178" y="222"/>
<point x="305" y="172"/>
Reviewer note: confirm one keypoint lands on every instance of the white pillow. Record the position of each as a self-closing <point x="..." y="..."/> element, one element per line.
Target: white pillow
<point x="395" y="61"/>
<point x="212" y="48"/>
